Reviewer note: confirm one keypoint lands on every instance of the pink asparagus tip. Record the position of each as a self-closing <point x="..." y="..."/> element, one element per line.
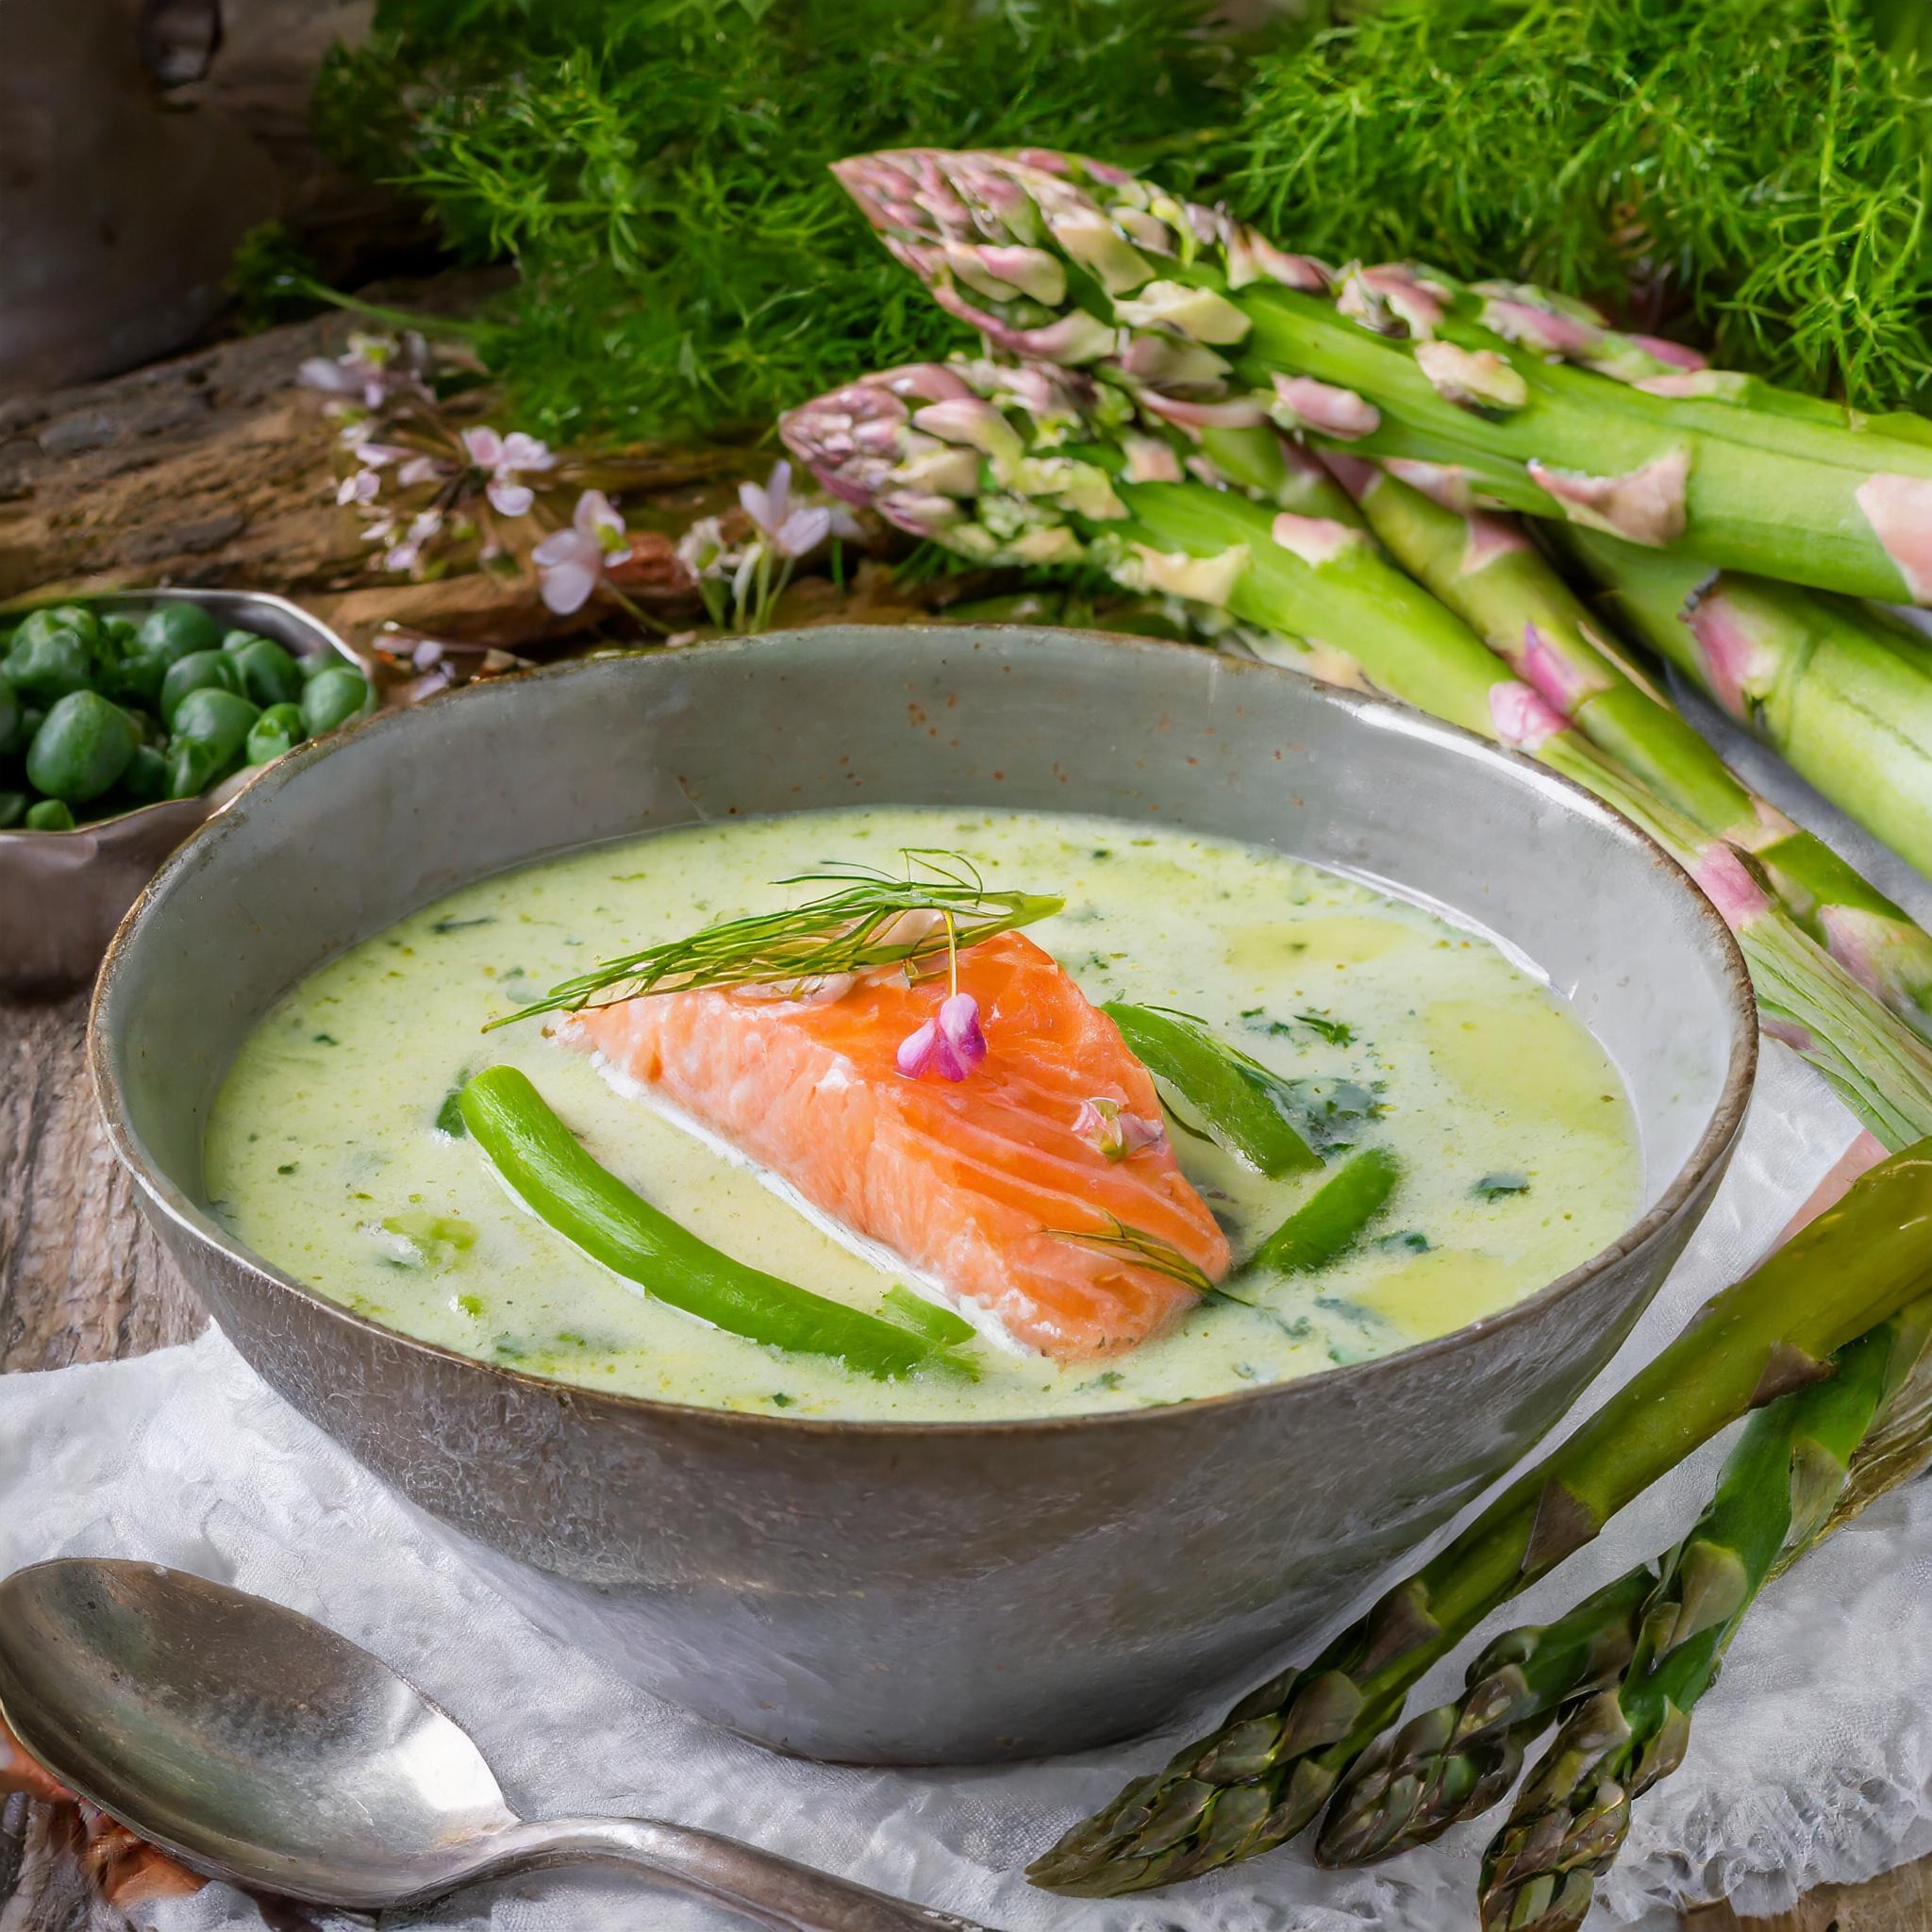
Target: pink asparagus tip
<point x="950" y="1044"/>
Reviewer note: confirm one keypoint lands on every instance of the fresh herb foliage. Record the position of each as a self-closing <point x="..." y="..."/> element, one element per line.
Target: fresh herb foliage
<point x="1752" y="175"/>
<point x="852" y="929"/>
<point x="1495" y="1187"/>
<point x="1336" y="1032"/>
<point x="1136" y="1245"/>
<point x="657" y="169"/>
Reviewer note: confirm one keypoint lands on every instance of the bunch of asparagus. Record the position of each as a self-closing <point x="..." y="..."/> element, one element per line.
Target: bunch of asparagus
<point x="1497" y="394"/>
<point x="1162" y="354"/>
<point x="1040" y="465"/>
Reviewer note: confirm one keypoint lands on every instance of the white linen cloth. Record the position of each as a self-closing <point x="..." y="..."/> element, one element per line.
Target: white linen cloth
<point x="1810" y="1763"/>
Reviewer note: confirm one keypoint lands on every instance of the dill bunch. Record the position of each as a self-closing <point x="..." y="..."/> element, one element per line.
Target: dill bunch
<point x="1752" y="173"/>
<point x="657" y="169"/>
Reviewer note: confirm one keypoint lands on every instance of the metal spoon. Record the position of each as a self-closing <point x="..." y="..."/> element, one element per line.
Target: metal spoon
<point x="254" y="1744"/>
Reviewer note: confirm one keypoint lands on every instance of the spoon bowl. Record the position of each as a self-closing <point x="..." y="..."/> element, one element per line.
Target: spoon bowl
<point x="256" y="1746"/>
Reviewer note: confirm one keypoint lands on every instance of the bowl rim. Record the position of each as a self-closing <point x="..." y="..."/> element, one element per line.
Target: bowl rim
<point x="1375" y="712"/>
<point x="217" y="798"/>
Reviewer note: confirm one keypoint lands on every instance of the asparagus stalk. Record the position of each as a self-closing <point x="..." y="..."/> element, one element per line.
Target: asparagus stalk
<point x="1825" y="683"/>
<point x="1333" y="1218"/>
<point x="1244" y="1106"/>
<point x="1486" y="571"/>
<point x="1271" y="1767"/>
<point x="1040" y="466"/>
<point x="1529" y="400"/>
<point x="539" y="1160"/>
<point x="1570" y="1820"/>
<point x="1456" y="1761"/>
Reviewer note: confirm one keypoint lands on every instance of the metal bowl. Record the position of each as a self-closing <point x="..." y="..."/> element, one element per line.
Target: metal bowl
<point x="902" y="1592"/>
<point x="62" y="894"/>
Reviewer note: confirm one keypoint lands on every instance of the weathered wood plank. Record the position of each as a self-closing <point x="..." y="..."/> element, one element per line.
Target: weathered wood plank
<point x="81" y="1277"/>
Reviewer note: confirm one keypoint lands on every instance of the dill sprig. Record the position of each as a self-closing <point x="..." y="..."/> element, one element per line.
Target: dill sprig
<point x="1750" y="175"/>
<point x="1144" y="1250"/>
<point x="848" y="931"/>
<point x="657" y="169"/>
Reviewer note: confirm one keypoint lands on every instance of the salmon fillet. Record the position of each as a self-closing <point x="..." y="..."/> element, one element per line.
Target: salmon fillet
<point x="961" y="1180"/>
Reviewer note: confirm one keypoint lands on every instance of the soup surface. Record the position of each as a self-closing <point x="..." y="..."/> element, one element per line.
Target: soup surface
<point x="1516" y="1143"/>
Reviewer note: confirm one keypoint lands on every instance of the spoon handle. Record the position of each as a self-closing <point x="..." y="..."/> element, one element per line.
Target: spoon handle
<point x="769" y="1890"/>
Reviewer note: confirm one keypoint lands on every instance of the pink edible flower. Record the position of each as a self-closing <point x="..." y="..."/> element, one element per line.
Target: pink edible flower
<point x="572" y="562"/>
<point x="792" y="532"/>
<point x="1115" y="1132"/>
<point x="507" y="458"/>
<point x="951" y="1045"/>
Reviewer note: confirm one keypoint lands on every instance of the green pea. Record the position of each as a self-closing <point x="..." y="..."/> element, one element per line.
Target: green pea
<point x="177" y="630"/>
<point x="48" y="664"/>
<point x="218" y="718"/>
<point x="334" y="696"/>
<point x="136" y="678"/>
<point x="198" y="671"/>
<point x="192" y="766"/>
<point x="269" y="675"/>
<point x="146" y="776"/>
<point x="12" y="809"/>
<point x="239" y="640"/>
<point x="51" y="618"/>
<point x="81" y="748"/>
<point x="12" y="738"/>
<point x="276" y="731"/>
<point x="49" y="815"/>
<point x="121" y="633"/>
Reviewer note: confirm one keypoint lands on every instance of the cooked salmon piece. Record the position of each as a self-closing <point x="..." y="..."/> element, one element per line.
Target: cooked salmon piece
<point x="965" y="1181"/>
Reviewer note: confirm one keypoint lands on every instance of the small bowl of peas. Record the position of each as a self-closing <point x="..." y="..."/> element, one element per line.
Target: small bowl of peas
<point x="128" y="718"/>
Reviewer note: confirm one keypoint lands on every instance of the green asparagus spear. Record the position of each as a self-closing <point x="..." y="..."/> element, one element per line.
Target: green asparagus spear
<point x="1036" y="465"/>
<point x="1824" y="682"/>
<point x="1458" y="1759"/>
<point x="1272" y="1766"/>
<point x="1332" y="1219"/>
<point x="1571" y="1817"/>
<point x="540" y="1159"/>
<point x="1243" y="1106"/>
<point x="1483" y="568"/>
<point x="1529" y="399"/>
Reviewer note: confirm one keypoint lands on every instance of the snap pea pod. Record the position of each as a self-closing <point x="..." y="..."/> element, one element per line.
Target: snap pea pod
<point x="1331" y="1220"/>
<point x="1242" y="1106"/>
<point x="540" y="1160"/>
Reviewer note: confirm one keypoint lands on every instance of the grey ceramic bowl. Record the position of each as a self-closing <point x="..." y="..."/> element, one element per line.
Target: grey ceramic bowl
<point x="62" y="894"/>
<point x="949" y="1592"/>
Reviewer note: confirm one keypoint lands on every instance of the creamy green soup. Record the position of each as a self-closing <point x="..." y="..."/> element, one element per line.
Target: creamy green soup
<point x="1517" y="1149"/>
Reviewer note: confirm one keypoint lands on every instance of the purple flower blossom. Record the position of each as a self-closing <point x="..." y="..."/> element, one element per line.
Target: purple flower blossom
<point x="1115" y="1132"/>
<point x="572" y="562"/>
<point x="951" y="1045"/>
<point x="507" y="458"/>
<point x="360" y="488"/>
<point x="372" y="369"/>
<point x="792" y="532"/>
<point x="424" y="530"/>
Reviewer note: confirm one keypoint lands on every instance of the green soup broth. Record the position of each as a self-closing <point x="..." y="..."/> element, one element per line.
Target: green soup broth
<point x="1516" y="1141"/>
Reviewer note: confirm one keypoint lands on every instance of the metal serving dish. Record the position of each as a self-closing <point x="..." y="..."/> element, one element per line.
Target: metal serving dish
<point x="924" y="1593"/>
<point x="62" y="894"/>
